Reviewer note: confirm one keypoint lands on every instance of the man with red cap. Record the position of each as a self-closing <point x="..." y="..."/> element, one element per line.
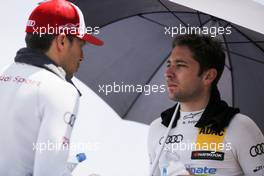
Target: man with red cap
<point x="39" y="102"/>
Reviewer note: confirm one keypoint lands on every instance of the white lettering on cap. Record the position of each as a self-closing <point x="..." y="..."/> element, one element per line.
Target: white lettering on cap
<point x="31" y="23"/>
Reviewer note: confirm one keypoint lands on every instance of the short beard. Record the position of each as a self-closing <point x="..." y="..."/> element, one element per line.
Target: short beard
<point x="187" y="97"/>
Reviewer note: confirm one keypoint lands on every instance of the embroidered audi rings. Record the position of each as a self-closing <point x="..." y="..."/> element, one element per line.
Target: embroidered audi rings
<point x="172" y="139"/>
<point x="257" y="150"/>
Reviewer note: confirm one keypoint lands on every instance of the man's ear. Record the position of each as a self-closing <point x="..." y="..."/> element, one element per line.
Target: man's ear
<point x="60" y="41"/>
<point x="209" y="76"/>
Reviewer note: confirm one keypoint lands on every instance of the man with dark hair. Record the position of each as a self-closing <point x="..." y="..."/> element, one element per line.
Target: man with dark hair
<point x="207" y="136"/>
<point x="43" y="42"/>
<point x="39" y="102"/>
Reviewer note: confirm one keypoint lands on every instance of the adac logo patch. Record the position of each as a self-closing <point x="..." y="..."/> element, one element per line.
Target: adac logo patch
<point x="211" y="138"/>
<point x="208" y="130"/>
<point x="209" y="144"/>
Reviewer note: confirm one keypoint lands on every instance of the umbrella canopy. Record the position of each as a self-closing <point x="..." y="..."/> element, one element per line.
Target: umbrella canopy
<point x="253" y="9"/>
<point x="135" y="53"/>
<point x="104" y="12"/>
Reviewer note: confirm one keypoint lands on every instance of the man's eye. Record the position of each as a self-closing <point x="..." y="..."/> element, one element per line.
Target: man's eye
<point x="180" y="65"/>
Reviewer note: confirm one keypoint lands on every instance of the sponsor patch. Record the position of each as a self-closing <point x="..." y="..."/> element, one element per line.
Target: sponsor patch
<point x="69" y="119"/>
<point x="210" y="137"/>
<point x="201" y="170"/>
<point x="256" y="150"/>
<point x="18" y="80"/>
<point x="213" y="140"/>
<point x="207" y="155"/>
<point x="258" y="168"/>
<point x="172" y="139"/>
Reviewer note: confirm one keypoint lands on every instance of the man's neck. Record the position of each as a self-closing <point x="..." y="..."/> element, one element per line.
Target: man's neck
<point x="196" y="104"/>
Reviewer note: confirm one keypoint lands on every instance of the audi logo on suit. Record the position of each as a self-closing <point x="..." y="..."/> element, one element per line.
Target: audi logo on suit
<point x="257" y="150"/>
<point x="172" y="139"/>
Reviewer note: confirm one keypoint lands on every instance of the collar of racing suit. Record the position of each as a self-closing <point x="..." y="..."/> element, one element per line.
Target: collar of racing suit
<point x="37" y="58"/>
<point x="217" y="113"/>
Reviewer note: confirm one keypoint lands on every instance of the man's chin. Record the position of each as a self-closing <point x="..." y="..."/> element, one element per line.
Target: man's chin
<point x="173" y="97"/>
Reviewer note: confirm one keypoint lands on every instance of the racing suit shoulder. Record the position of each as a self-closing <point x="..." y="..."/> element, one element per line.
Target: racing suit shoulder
<point x="57" y="88"/>
<point x="155" y="129"/>
<point x="247" y="143"/>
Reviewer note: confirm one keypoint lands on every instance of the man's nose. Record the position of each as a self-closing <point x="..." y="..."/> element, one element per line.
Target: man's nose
<point x="169" y="73"/>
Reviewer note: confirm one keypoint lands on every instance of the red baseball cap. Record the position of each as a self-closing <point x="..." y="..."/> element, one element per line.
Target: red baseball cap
<point x="57" y="17"/>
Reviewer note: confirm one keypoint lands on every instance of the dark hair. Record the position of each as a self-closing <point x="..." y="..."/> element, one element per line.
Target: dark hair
<point x="42" y="42"/>
<point x="208" y="52"/>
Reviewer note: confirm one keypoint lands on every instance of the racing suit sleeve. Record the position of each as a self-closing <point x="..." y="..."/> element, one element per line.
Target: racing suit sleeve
<point x="58" y="110"/>
<point x="248" y="143"/>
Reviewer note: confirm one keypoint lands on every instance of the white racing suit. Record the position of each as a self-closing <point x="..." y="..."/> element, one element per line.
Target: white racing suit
<point x="38" y="110"/>
<point x="237" y="150"/>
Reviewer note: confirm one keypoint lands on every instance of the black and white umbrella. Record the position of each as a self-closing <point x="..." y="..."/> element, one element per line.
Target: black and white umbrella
<point x="136" y="49"/>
